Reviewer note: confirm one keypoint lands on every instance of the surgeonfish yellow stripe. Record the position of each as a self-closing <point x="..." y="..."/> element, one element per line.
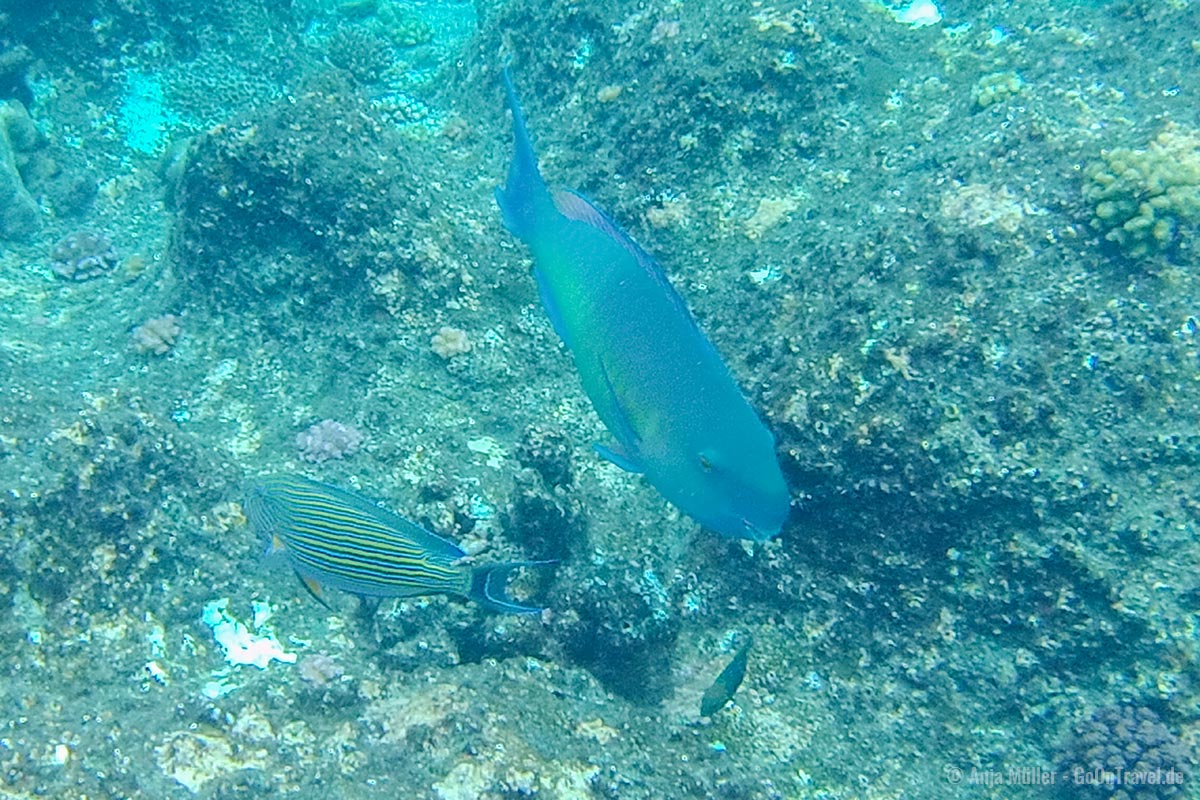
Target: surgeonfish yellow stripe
<point x="333" y="537"/>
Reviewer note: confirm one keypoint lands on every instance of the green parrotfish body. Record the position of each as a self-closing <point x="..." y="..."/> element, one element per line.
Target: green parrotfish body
<point x="656" y="381"/>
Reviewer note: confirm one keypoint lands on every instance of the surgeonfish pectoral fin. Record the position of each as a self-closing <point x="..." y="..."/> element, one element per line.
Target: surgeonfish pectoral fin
<point x="314" y="590"/>
<point x="488" y="584"/>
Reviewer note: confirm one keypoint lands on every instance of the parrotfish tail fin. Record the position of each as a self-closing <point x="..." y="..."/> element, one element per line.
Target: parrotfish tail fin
<point x="525" y="191"/>
<point x="488" y="584"/>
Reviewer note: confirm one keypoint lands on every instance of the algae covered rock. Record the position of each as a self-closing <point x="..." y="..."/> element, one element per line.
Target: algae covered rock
<point x="617" y="621"/>
<point x="287" y="203"/>
<point x="1143" y="200"/>
<point x="403" y="27"/>
<point x="365" y="55"/>
<point x="20" y="215"/>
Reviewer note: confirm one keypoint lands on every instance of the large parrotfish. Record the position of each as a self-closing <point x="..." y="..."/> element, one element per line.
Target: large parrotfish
<point x="656" y="381"/>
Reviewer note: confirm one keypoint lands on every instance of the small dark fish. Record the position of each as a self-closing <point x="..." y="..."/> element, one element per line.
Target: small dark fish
<point x="337" y="538"/>
<point x="726" y="684"/>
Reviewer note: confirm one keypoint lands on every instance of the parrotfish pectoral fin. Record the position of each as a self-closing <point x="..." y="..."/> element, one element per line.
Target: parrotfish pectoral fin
<point x="618" y="419"/>
<point x="620" y="459"/>
<point x="488" y="583"/>
<point x="727" y="683"/>
<point x="524" y="193"/>
<point x="547" y="298"/>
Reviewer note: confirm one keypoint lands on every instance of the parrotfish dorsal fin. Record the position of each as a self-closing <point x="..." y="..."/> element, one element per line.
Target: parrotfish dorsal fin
<point x="573" y="205"/>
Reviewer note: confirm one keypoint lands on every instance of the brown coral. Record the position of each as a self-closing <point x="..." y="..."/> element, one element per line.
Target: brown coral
<point x="1142" y="199"/>
<point x="83" y="255"/>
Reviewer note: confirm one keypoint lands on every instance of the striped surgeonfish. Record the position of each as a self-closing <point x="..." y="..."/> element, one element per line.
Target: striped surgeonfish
<point x="333" y="537"/>
<point x="656" y="381"/>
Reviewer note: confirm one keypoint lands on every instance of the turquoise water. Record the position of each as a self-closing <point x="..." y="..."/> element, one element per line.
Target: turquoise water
<point x="952" y="266"/>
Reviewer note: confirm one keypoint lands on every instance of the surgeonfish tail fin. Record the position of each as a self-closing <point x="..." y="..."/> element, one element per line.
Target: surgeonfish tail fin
<point x="488" y="583"/>
<point x="524" y="191"/>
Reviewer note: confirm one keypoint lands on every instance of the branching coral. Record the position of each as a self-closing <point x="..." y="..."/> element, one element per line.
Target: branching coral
<point x="363" y="54"/>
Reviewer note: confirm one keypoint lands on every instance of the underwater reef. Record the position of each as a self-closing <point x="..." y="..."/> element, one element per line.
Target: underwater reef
<point x="952" y="266"/>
